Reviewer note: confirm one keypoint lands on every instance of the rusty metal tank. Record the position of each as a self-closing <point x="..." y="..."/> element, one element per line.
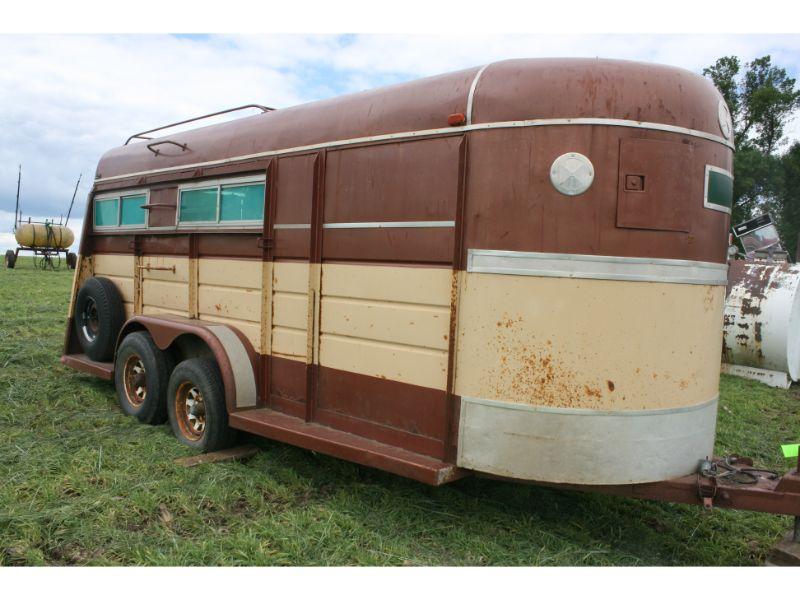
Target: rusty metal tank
<point x="44" y="235"/>
<point x="762" y="321"/>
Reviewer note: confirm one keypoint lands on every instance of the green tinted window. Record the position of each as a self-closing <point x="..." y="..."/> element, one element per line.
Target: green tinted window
<point x="719" y="190"/>
<point x="242" y="203"/>
<point x="131" y="212"/>
<point x="105" y="212"/>
<point x="199" y="205"/>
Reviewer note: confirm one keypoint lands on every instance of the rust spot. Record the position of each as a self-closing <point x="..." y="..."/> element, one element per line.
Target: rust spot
<point x="757" y="331"/>
<point x="708" y="299"/>
<point x="218" y="307"/>
<point x="683" y="384"/>
<point x="592" y="392"/>
<point x="610" y="385"/>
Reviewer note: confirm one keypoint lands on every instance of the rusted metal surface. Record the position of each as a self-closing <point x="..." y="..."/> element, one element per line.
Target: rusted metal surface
<point x="81" y="362"/>
<point x="762" y="316"/>
<point x="595" y="87"/>
<point x="347" y="446"/>
<point x="770" y="494"/>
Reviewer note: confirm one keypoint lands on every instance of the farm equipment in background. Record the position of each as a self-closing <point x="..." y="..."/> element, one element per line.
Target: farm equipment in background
<point x="47" y="240"/>
<point x="762" y="308"/>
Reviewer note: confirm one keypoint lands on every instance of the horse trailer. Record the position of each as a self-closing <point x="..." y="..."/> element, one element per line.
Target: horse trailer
<point x="516" y="270"/>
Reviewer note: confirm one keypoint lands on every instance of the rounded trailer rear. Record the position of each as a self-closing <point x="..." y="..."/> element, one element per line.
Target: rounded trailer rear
<point x="516" y="270"/>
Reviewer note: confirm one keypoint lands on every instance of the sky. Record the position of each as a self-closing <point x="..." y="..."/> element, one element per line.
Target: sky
<point x="66" y="99"/>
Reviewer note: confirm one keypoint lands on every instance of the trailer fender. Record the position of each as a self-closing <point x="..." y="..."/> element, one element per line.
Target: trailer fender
<point x="233" y="352"/>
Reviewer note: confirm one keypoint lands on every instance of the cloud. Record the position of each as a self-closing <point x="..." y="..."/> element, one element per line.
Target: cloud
<point x="66" y="99"/>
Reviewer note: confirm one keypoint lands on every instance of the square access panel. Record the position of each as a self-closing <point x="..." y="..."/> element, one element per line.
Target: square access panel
<point x="655" y="188"/>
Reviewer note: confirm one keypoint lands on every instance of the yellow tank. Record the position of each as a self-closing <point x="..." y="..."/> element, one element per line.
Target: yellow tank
<point x="39" y="235"/>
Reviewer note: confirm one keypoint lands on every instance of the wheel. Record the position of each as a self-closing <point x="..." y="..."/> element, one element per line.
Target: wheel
<point x="141" y="375"/>
<point x="196" y="406"/>
<point x="99" y="316"/>
<point x="11" y="259"/>
<point x="72" y="260"/>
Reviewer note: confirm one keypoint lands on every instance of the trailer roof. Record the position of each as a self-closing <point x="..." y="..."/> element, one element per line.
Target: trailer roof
<point x="511" y="90"/>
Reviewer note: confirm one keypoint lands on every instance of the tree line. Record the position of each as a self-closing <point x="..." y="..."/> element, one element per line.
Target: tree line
<point x="762" y="99"/>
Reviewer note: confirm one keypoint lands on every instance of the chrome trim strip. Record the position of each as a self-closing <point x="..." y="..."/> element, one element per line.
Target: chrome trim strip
<point x="389" y="224"/>
<point x="706" y="203"/>
<point x="432" y="132"/>
<point x="471" y="95"/>
<point x="292" y="226"/>
<point x="587" y="266"/>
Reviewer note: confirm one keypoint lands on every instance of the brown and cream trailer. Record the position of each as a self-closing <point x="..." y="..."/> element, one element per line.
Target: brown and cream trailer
<point x="515" y="270"/>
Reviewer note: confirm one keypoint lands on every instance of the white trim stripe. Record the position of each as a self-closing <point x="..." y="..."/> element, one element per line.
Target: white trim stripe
<point x="587" y="266"/>
<point x="471" y="96"/>
<point x="433" y="132"/>
<point x="292" y="226"/>
<point x="389" y="224"/>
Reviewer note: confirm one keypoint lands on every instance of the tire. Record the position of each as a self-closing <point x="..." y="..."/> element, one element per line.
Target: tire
<point x="11" y="259"/>
<point x="141" y="375"/>
<point x="206" y="430"/>
<point x="72" y="260"/>
<point x="99" y="316"/>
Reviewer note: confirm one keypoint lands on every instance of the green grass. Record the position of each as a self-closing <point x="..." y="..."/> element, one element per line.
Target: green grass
<point x="82" y="484"/>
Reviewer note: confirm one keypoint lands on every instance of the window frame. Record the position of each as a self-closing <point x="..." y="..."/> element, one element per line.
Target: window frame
<point x="118" y="196"/>
<point x="713" y="205"/>
<point x="219" y="184"/>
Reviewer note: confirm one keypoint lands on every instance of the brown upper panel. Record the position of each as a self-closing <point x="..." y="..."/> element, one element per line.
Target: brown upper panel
<point x="421" y="104"/>
<point x="506" y="91"/>
<point x="553" y="88"/>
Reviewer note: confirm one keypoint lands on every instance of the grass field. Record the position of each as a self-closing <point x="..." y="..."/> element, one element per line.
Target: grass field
<point x="82" y="484"/>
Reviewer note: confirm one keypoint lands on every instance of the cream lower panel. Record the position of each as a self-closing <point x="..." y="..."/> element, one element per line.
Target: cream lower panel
<point x="290" y="310"/>
<point x="387" y="322"/>
<point x="586" y="343"/>
<point x="165" y="268"/>
<point x="119" y="269"/>
<point x="165" y="285"/>
<point x="123" y="284"/>
<point x="158" y="310"/>
<point x="252" y="331"/>
<point x="165" y="294"/>
<point x="237" y="307"/>
<point x="584" y="446"/>
<point x="230" y="273"/>
<point x="108" y="265"/>
<point x="229" y="292"/>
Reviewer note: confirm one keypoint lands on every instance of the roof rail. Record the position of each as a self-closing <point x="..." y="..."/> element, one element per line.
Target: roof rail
<point x="141" y="135"/>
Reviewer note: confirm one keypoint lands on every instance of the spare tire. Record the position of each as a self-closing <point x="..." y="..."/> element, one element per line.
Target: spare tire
<point x="99" y="315"/>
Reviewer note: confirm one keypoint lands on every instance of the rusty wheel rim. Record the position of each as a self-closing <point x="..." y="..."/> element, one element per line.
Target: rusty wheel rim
<point x="135" y="381"/>
<point x="190" y="410"/>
